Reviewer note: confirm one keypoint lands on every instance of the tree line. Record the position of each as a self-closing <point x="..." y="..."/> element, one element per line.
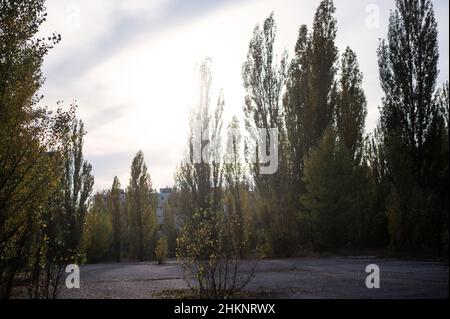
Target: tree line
<point x="122" y="223"/>
<point x="336" y="189"/>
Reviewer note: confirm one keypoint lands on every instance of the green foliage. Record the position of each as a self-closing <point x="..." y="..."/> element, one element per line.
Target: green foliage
<point x="141" y="210"/>
<point x="161" y="250"/>
<point x="209" y="255"/>
<point x="33" y="219"/>
<point x="264" y="79"/>
<point x="57" y="234"/>
<point x="332" y="190"/>
<point x="76" y="183"/>
<point x="414" y="130"/>
<point x="263" y="110"/>
<point x="171" y="216"/>
<point x="338" y="198"/>
<point x="97" y="235"/>
<point x="328" y="201"/>
<point x="200" y="176"/>
<point x="310" y="98"/>
<point x="236" y="198"/>
<point x="351" y="108"/>
<point x="117" y="209"/>
<point x="123" y="223"/>
<point x="310" y="102"/>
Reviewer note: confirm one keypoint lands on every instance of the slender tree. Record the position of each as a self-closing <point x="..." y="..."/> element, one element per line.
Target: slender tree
<point x="77" y="184"/>
<point x="208" y="253"/>
<point x="200" y="176"/>
<point x="116" y="212"/>
<point x="60" y="224"/>
<point x="264" y="78"/>
<point x="323" y="59"/>
<point x="310" y="101"/>
<point x="142" y="212"/>
<point x="310" y="98"/>
<point x="236" y="185"/>
<point x="413" y="129"/>
<point x="351" y="108"/>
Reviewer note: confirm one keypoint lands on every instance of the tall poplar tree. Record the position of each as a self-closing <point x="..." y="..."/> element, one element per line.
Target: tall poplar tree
<point x="140" y="199"/>
<point x="310" y="101"/>
<point x="351" y="108"/>
<point x="413" y="129"/>
<point x="264" y="79"/>
<point x="116" y="207"/>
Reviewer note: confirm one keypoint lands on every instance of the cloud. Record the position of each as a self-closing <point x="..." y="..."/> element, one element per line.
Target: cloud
<point x="120" y="23"/>
<point x="106" y="116"/>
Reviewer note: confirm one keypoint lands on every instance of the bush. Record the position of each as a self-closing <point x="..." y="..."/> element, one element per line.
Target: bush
<point x="210" y="256"/>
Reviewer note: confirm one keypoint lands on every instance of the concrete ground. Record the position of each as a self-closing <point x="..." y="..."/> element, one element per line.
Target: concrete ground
<point x="289" y="278"/>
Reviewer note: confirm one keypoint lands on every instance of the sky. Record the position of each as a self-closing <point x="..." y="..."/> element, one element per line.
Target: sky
<point x="130" y="67"/>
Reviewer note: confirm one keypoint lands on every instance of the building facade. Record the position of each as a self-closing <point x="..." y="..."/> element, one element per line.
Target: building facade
<point x="163" y="196"/>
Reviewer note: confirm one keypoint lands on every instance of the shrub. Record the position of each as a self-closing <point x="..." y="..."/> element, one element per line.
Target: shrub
<point x="210" y="256"/>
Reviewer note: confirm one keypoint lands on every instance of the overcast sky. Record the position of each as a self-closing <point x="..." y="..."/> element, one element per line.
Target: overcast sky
<point x="130" y="66"/>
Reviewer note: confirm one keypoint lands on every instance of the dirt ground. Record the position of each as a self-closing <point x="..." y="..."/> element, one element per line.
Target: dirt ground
<point x="289" y="278"/>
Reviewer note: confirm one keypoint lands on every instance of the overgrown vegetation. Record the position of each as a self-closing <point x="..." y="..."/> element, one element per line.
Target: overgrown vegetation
<point x="335" y="188"/>
<point x="211" y="256"/>
<point x="44" y="181"/>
